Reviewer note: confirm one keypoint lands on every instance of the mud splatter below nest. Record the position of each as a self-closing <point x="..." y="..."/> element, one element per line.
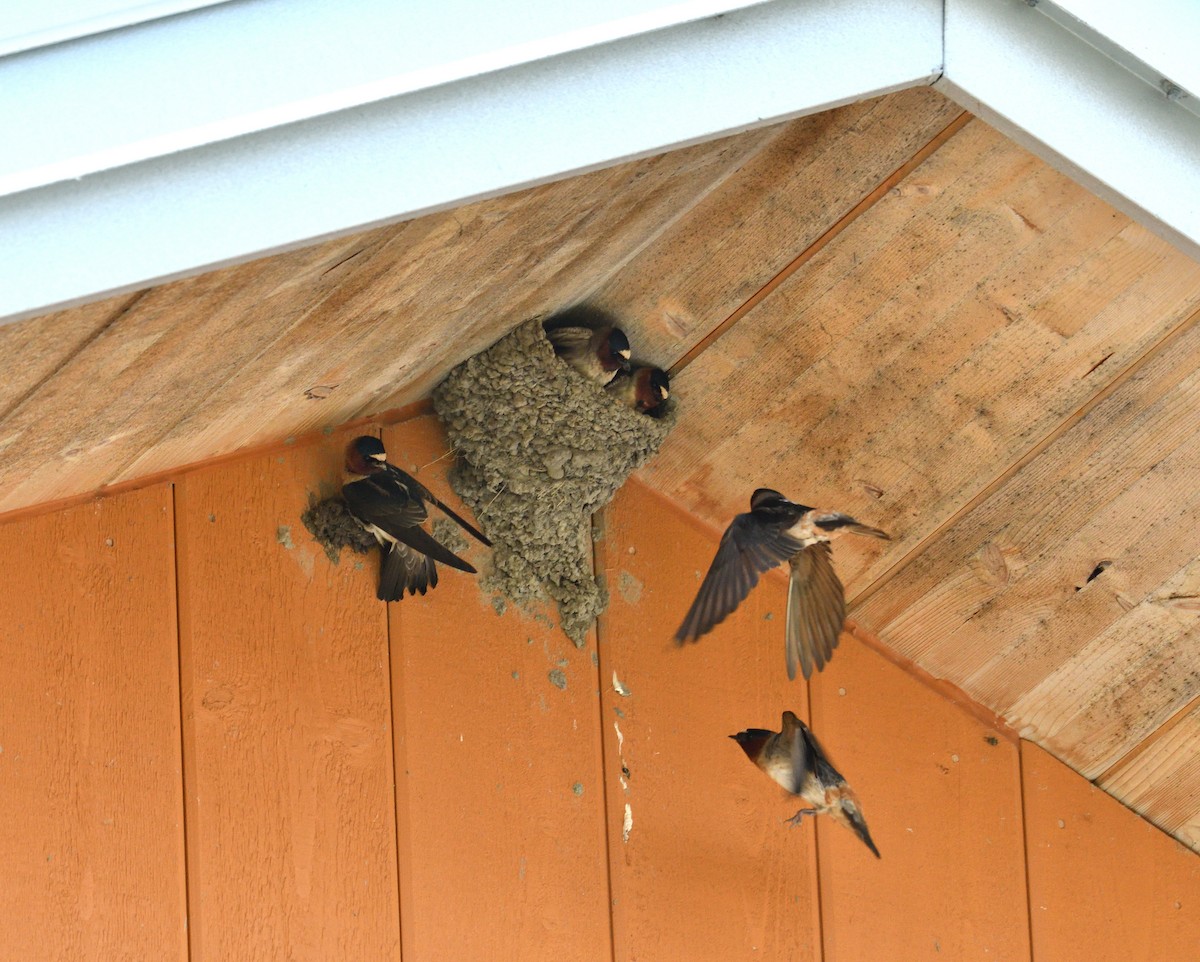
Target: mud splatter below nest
<point x="333" y="528"/>
<point x="540" y="449"/>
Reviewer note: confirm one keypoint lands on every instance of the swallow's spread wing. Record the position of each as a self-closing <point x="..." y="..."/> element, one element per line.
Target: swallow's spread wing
<point x="816" y="610"/>
<point x="381" y="500"/>
<point x="404" y="567"/>
<point x="748" y="548"/>
<point x="413" y="484"/>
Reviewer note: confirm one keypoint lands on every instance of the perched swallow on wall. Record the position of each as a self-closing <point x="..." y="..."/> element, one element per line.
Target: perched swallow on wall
<point x="589" y="341"/>
<point x="773" y="531"/>
<point x="644" y="389"/>
<point x="794" y="758"/>
<point x="390" y="504"/>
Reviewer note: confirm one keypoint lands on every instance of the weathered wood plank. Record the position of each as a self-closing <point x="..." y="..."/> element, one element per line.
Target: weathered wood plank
<point x="702" y="865"/>
<point x="33" y="350"/>
<point x="707" y="264"/>
<point x="500" y="802"/>
<point x="1103" y="884"/>
<point x="911" y="362"/>
<point x="426" y="295"/>
<point x="993" y="603"/>
<point x="115" y="398"/>
<point x="287" y="724"/>
<point x="941" y="793"/>
<point x="91" y="837"/>
<point x="1161" y="778"/>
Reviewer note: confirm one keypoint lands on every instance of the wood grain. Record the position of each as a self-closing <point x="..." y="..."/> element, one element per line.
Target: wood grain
<point x="942" y="796"/>
<point x="1161" y="778"/>
<point x="911" y="361"/>
<point x="1090" y="672"/>
<point x="500" y="802"/>
<point x="702" y="865"/>
<point x="733" y="241"/>
<point x="1103" y="884"/>
<point x="91" y="833"/>
<point x="287" y="723"/>
<point x="315" y="337"/>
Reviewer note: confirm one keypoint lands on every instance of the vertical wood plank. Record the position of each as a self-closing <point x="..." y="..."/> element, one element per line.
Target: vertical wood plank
<point x="291" y="832"/>
<point x="91" y="800"/>
<point x="500" y="804"/>
<point x="941" y="793"/>
<point x="1103" y="884"/>
<point x="702" y="865"/>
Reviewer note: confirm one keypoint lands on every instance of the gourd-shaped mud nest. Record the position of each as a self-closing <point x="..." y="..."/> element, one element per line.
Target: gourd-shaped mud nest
<point x="540" y="448"/>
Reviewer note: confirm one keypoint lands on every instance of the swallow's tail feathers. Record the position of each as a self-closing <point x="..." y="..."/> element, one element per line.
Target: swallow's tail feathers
<point x="858" y="825"/>
<point x="403" y="569"/>
<point x="835" y="521"/>
<point x="816" y="610"/>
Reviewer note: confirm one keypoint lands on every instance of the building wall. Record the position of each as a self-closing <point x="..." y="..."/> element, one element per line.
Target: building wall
<point x="215" y="744"/>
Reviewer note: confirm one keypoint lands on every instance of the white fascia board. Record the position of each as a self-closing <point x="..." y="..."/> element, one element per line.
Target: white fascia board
<point x="174" y="84"/>
<point x="28" y="25"/>
<point x="435" y="148"/>
<point x="1162" y="34"/>
<point x="1110" y="129"/>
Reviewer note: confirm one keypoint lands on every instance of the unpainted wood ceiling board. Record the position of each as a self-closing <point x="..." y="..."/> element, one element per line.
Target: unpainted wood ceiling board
<point x="1162" y="778"/>
<point x="312" y="338"/>
<point x="993" y="603"/>
<point x="906" y="367"/>
<point x="702" y="269"/>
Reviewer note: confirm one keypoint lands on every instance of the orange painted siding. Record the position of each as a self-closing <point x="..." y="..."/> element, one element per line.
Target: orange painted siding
<point x="1104" y="886"/>
<point x="91" y="814"/>
<point x="434" y="781"/>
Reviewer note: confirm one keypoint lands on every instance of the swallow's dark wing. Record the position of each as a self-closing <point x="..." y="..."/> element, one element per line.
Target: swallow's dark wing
<point x="381" y="500"/>
<point x="573" y="341"/>
<point x="816" y="610"/>
<point x="414" y="485"/>
<point x="404" y="567"/>
<point x="792" y="737"/>
<point x="748" y="548"/>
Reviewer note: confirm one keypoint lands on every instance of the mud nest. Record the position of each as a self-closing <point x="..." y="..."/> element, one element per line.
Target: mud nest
<point x="540" y="448"/>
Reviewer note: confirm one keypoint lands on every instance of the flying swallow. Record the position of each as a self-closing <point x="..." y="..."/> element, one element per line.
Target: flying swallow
<point x="773" y="531"/>
<point x="390" y="504"/>
<point x="588" y="340"/>
<point x="644" y="389"/>
<point x="794" y="758"/>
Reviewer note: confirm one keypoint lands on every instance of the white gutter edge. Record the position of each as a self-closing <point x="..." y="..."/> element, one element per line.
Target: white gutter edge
<point x="1108" y="127"/>
<point x="176" y="215"/>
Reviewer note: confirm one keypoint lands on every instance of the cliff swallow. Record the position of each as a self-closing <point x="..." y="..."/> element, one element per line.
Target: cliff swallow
<point x="588" y="340"/>
<point x="644" y="389"/>
<point x="390" y="504"/>
<point x="776" y="530"/>
<point x="794" y="758"/>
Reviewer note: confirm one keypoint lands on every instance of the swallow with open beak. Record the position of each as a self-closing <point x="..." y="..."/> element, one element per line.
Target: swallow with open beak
<point x="794" y="759"/>
<point x="773" y="531"/>
<point x="589" y="341"/>
<point x="644" y="389"/>
<point x="390" y="504"/>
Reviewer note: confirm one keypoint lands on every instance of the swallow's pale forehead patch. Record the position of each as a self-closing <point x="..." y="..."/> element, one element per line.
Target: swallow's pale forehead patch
<point x="663" y="392"/>
<point x="625" y="353"/>
<point x="379" y="457"/>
